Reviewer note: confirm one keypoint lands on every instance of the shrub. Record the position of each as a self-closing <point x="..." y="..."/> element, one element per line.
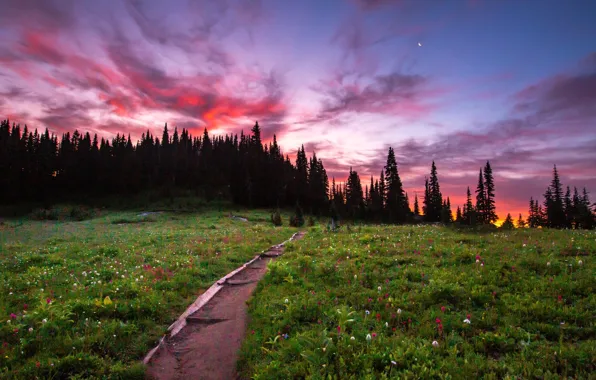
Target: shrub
<point x="276" y="218"/>
<point x="297" y="220"/>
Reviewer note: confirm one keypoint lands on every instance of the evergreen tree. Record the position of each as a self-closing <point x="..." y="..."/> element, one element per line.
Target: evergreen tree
<point x="508" y="223"/>
<point x="521" y="223"/>
<point x="469" y="213"/>
<point x="416" y="208"/>
<point x="354" y="196"/>
<point x="397" y="207"/>
<point x="490" y="215"/>
<point x="435" y="197"/>
<point x="481" y="201"/>
<point x="568" y="209"/>
<point x="458" y="216"/>
<point x="554" y="203"/>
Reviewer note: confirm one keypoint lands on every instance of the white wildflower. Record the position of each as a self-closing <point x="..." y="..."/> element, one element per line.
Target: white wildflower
<point x="435" y="343"/>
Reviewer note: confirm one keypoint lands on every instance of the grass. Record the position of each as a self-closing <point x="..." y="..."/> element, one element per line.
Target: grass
<point x="88" y="299"/>
<point x="381" y="302"/>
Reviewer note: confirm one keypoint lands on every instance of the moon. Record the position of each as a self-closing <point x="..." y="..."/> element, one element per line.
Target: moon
<point x="419" y="43"/>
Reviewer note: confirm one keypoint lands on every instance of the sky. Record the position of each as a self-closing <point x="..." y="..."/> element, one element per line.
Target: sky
<point x="455" y="81"/>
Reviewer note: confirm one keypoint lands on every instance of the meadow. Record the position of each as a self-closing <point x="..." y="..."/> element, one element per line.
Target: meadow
<point x="89" y="298"/>
<point x="409" y="302"/>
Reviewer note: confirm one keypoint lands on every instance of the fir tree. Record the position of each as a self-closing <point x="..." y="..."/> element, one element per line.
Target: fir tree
<point x="397" y="208"/>
<point x="490" y="215"/>
<point x="469" y="213"/>
<point x="416" y="208"/>
<point x="458" y="216"/>
<point x="521" y="223"/>
<point x="508" y="223"/>
<point x="481" y="203"/>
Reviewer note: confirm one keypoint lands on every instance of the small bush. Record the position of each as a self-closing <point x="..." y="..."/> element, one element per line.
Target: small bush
<point x="276" y="218"/>
<point x="297" y="220"/>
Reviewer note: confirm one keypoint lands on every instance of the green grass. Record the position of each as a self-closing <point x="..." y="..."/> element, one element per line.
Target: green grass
<point x="88" y="299"/>
<point x="368" y="304"/>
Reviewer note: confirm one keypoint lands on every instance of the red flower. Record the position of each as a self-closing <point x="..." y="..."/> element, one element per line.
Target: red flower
<point x="378" y="317"/>
<point x="49" y="300"/>
<point x="443" y="309"/>
<point x="374" y="335"/>
<point x="13" y="316"/>
<point x="339" y="329"/>
<point x="469" y="316"/>
<point x="438" y="320"/>
<point x="37" y="364"/>
<point x="478" y="257"/>
<point x="25" y="306"/>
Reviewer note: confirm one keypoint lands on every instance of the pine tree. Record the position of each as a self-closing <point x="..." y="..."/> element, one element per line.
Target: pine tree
<point x="397" y="208"/>
<point x="481" y="203"/>
<point x="568" y="209"/>
<point x="436" y="199"/>
<point x="554" y="202"/>
<point x="458" y="216"/>
<point x="416" y="208"/>
<point x="508" y="223"/>
<point x="354" y="196"/>
<point x="521" y="223"/>
<point x="490" y="215"/>
<point x="469" y="213"/>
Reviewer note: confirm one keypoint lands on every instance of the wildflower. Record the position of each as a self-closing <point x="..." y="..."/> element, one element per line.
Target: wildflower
<point x="338" y="329"/>
<point x="477" y="261"/>
<point x="580" y="262"/>
<point x="443" y="309"/>
<point x="482" y="264"/>
<point x="13" y="316"/>
<point x="37" y="364"/>
<point x="286" y="301"/>
<point x="44" y="320"/>
<point x="286" y="336"/>
<point x="352" y="338"/>
<point x="548" y="264"/>
<point x="25" y="306"/>
<point x="386" y="324"/>
<point x="374" y="335"/>
<point x="467" y="321"/>
<point x="48" y="300"/>
<point x="438" y="320"/>
<point x="469" y="316"/>
<point x="398" y="311"/>
<point x="30" y="329"/>
<point x="393" y="362"/>
<point x="379" y="288"/>
<point x="435" y="343"/>
<point x="366" y="312"/>
<point x="368" y="338"/>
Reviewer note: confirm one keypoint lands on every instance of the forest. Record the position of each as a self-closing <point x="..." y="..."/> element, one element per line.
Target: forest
<point x="43" y="167"/>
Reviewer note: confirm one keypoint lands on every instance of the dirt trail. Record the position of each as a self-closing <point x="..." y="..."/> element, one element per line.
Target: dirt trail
<point x="207" y="347"/>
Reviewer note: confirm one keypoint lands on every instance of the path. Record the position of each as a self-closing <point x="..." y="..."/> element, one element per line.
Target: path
<point x="207" y="347"/>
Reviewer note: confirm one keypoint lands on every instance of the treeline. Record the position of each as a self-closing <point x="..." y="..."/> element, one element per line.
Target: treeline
<point x="560" y="210"/>
<point x="43" y="167"/>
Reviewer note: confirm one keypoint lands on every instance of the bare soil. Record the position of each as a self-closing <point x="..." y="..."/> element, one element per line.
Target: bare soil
<point x="207" y="347"/>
